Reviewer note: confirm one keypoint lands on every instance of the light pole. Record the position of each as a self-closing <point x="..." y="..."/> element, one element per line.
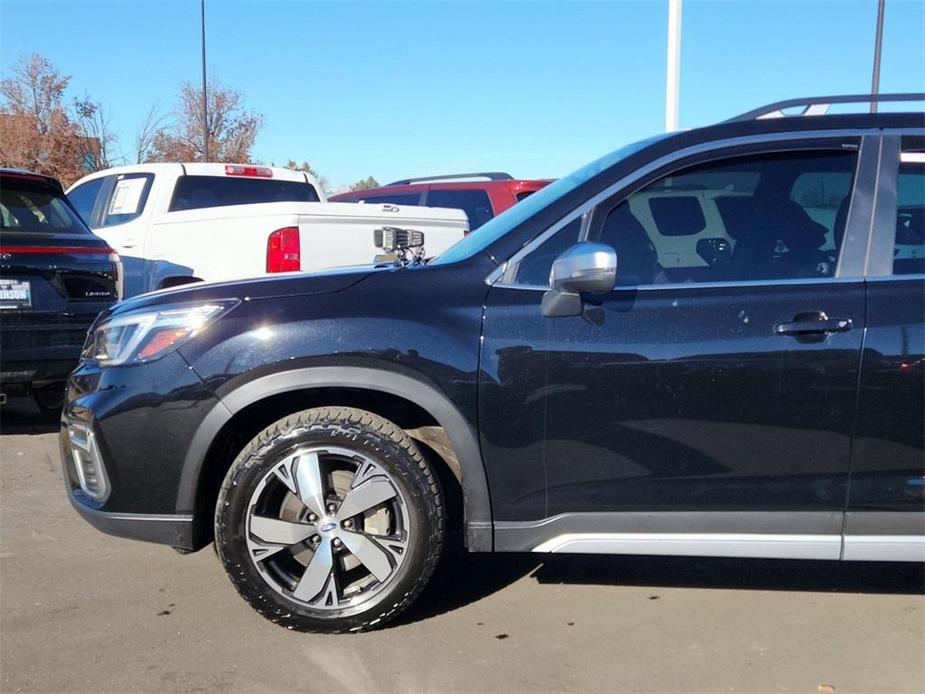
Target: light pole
<point x="673" y="76"/>
<point x="878" y="44"/>
<point x="205" y="94"/>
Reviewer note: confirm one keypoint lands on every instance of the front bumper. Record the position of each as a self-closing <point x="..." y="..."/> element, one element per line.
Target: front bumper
<point x="174" y="530"/>
<point x="141" y="428"/>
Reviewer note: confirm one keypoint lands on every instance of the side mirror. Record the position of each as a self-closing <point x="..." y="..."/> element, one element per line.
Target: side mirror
<point x="585" y="268"/>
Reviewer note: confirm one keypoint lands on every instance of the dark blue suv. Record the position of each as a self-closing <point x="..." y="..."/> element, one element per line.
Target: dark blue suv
<point x="707" y="343"/>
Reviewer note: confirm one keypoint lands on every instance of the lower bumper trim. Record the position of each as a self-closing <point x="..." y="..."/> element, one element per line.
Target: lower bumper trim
<point x="175" y="530"/>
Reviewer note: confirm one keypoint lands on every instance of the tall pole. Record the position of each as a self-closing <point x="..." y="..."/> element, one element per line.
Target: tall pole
<point x="205" y="95"/>
<point x="673" y="77"/>
<point x="878" y="44"/>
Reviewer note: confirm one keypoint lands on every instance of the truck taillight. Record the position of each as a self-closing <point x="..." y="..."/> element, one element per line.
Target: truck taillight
<point x="284" y="252"/>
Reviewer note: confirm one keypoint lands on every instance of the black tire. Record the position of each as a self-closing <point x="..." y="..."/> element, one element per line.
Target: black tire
<point x="49" y="400"/>
<point x="371" y="437"/>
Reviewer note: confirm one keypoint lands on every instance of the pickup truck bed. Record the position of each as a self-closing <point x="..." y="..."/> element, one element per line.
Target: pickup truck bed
<point x="176" y="223"/>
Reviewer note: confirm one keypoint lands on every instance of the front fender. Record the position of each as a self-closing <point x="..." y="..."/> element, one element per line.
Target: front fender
<point x="474" y="482"/>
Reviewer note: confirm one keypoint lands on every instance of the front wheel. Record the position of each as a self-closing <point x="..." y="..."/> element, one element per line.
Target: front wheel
<point x="330" y="520"/>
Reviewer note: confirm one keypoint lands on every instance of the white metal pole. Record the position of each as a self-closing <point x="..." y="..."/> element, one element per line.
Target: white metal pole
<point x="673" y="78"/>
<point x="878" y="45"/>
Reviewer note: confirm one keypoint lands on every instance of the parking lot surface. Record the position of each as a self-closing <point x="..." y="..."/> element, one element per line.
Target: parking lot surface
<point x="85" y="612"/>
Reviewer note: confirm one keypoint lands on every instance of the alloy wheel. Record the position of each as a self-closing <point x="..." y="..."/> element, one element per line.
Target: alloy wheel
<point x="327" y="527"/>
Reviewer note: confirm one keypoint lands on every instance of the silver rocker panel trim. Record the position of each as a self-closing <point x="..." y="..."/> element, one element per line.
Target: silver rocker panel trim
<point x="765" y="546"/>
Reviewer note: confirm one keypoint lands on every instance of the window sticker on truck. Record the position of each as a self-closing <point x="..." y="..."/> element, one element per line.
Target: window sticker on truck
<point x="127" y="195"/>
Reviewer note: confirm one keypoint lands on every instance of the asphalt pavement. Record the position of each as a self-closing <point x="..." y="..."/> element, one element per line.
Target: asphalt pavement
<point x="84" y="612"/>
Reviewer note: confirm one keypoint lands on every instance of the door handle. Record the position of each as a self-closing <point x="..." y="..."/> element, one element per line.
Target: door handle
<point x="813" y="322"/>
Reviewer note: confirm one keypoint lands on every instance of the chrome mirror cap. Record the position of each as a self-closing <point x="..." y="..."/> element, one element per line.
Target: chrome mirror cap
<point x="585" y="268"/>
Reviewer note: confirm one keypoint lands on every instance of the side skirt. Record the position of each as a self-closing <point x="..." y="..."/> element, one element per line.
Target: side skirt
<point x="697" y="545"/>
<point x="868" y="536"/>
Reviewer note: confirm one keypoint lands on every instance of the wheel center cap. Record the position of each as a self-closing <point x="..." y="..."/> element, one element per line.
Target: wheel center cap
<point x="327" y="525"/>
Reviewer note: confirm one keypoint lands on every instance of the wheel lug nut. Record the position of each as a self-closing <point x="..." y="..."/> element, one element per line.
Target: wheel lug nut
<point x="316" y="539"/>
<point x="312" y="517"/>
<point x="348" y="523"/>
<point x="332" y="508"/>
<point x="337" y="543"/>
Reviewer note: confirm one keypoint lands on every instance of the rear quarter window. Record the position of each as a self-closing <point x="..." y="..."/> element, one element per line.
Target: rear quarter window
<point x="198" y="192"/>
<point x="909" y="251"/>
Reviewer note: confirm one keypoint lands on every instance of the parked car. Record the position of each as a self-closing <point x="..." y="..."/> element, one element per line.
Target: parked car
<point x="179" y="223"/>
<point x="55" y="277"/>
<point x="480" y="200"/>
<point x="761" y="395"/>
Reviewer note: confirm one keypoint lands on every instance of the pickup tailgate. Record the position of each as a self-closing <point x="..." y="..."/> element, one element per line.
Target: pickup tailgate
<point x="335" y="234"/>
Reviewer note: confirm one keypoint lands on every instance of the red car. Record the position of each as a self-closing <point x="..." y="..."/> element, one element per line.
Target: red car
<point x="480" y="200"/>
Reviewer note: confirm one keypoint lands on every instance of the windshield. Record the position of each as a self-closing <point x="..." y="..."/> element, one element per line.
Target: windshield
<point x="494" y="229"/>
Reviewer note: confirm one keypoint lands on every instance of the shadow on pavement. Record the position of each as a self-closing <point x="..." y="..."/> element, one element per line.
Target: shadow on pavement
<point x="463" y="578"/>
<point x="734" y="574"/>
<point x="21" y="416"/>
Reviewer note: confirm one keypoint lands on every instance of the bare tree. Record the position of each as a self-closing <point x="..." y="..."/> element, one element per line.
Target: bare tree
<point x="98" y="139"/>
<point x="152" y="126"/>
<point x="306" y="167"/>
<point x="232" y="128"/>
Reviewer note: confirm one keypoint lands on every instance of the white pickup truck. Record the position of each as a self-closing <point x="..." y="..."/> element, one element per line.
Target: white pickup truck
<point x="177" y="223"/>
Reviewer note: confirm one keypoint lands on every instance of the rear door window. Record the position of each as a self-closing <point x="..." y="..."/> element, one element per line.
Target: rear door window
<point x="909" y="251"/>
<point x="475" y="203"/>
<point x="198" y="192"/>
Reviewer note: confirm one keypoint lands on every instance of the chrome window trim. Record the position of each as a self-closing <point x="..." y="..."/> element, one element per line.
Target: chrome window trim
<point x="852" y="257"/>
<point x="720" y="285"/>
<point x="897" y="278"/>
<point x="495" y="278"/>
<point x="881" y="241"/>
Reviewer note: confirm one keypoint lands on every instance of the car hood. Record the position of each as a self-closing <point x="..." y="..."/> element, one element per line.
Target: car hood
<point x="267" y="286"/>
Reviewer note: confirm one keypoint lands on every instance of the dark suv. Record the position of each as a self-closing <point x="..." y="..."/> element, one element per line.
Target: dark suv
<point x="55" y="277"/>
<point x="480" y="200"/>
<point x="707" y="343"/>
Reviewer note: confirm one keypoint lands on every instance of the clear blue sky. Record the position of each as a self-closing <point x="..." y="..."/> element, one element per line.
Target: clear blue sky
<point x="398" y="89"/>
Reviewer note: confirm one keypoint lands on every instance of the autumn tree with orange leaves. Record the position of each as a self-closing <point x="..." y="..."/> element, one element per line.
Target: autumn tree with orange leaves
<point x="41" y="132"/>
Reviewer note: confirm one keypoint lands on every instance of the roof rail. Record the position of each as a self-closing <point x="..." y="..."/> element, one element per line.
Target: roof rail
<point x="819" y="105"/>
<point x="490" y="175"/>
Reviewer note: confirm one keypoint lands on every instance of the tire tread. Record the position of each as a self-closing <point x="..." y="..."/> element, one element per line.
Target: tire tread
<point x="356" y="424"/>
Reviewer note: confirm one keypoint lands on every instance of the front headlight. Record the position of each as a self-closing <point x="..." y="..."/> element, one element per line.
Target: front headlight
<point x="138" y="337"/>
